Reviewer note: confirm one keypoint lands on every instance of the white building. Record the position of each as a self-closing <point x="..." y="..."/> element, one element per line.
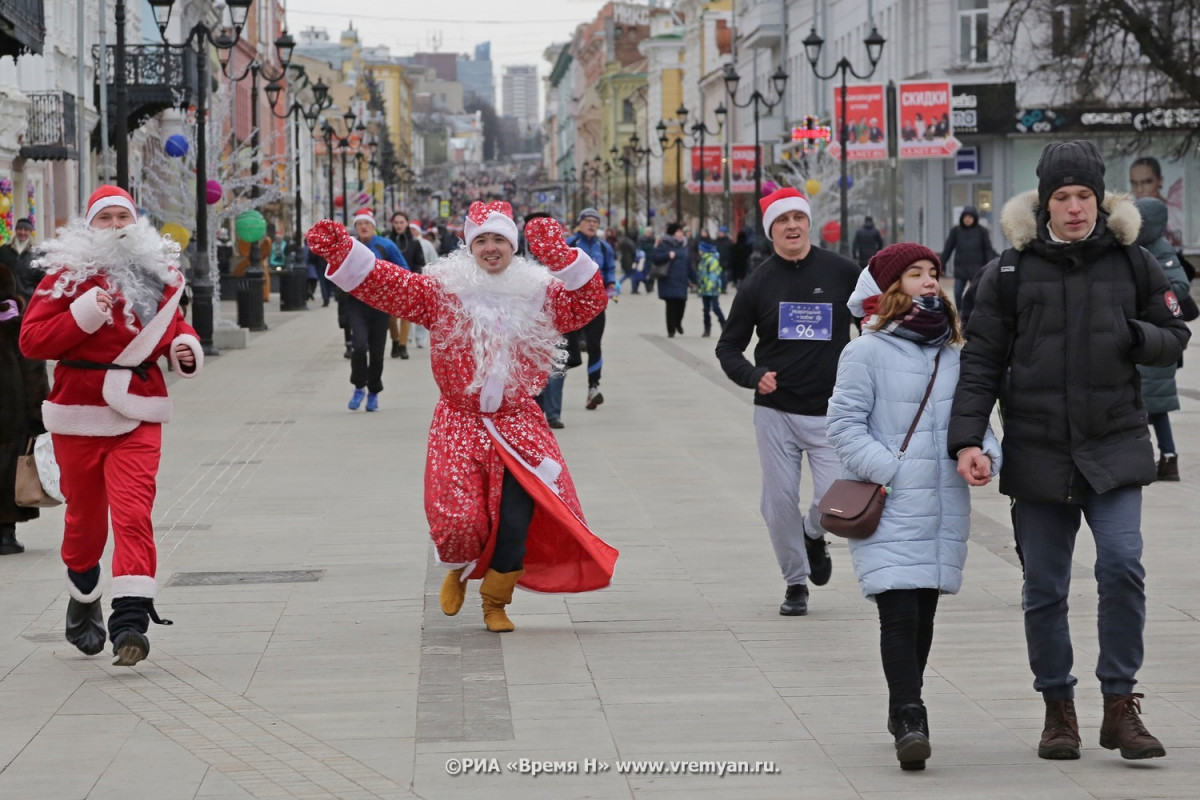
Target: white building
<point x="519" y="89"/>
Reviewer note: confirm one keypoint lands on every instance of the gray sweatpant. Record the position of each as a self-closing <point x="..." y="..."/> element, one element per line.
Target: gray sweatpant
<point x="783" y="439"/>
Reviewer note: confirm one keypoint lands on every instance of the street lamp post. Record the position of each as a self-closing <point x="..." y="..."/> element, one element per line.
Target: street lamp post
<point x="250" y="311"/>
<point x="201" y="36"/>
<point x="310" y="113"/>
<point x="677" y="143"/>
<point x="699" y="129"/>
<point x="327" y="135"/>
<point x="758" y="100"/>
<point x="645" y="154"/>
<point x="812" y="48"/>
<point x="121" y="99"/>
<point x="568" y="195"/>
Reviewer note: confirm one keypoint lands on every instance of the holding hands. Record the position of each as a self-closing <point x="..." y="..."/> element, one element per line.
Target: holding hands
<point x="330" y="241"/>
<point x="974" y="466"/>
<point x="547" y="243"/>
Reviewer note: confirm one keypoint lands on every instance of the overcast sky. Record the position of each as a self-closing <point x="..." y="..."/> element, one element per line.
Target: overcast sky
<point x="519" y="30"/>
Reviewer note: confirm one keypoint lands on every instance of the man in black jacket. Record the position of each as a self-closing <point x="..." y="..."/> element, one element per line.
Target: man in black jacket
<point x="1057" y="340"/>
<point x="17" y="255"/>
<point x="867" y="242"/>
<point x="971" y="245"/>
<point x="402" y="236"/>
<point x="795" y="301"/>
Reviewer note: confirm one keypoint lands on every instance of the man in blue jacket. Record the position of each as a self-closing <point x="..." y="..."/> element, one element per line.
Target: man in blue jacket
<point x="585" y="239"/>
<point x="369" y="326"/>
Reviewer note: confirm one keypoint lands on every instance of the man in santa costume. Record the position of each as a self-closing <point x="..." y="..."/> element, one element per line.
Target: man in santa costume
<point x="500" y="502"/>
<point x="107" y="311"/>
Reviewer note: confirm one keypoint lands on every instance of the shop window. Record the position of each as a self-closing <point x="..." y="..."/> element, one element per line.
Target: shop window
<point x="1065" y="33"/>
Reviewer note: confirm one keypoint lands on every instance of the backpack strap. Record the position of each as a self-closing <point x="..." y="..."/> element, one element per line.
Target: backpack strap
<point x="1007" y="285"/>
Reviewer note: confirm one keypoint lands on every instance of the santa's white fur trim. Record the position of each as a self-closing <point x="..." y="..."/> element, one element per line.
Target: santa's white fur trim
<point x="87" y="314"/>
<point x="108" y="202"/>
<point x="496" y="222"/>
<point x="146" y="341"/>
<point x="85" y="420"/>
<point x="576" y="274"/>
<point x="193" y="344"/>
<point x="355" y="269"/>
<point x="93" y="595"/>
<point x="134" y="586"/>
<point x="781" y="207"/>
<point x="115" y="392"/>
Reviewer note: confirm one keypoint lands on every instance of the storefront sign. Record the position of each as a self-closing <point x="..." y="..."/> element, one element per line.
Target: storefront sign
<point x="982" y="108"/>
<point x="925" y="127"/>
<point x="1144" y="119"/>
<point x="708" y="164"/>
<point x="741" y="168"/>
<point x="866" y="123"/>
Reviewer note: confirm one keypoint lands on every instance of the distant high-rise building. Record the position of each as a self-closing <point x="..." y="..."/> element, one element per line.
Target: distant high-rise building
<point x="520" y="89"/>
<point x="476" y="76"/>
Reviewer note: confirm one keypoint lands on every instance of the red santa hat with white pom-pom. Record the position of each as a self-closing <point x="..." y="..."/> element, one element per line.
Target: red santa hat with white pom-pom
<point x="779" y="202"/>
<point x="108" y="196"/>
<point x="365" y="215"/>
<point x="494" y="217"/>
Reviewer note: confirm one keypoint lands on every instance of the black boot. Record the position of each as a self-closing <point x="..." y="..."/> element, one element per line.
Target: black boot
<point x="910" y="727"/>
<point x="85" y="626"/>
<point x="9" y="546"/>
<point x="127" y="627"/>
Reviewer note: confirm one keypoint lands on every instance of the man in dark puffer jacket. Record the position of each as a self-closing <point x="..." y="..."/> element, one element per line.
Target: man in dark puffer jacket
<point x="1075" y="436"/>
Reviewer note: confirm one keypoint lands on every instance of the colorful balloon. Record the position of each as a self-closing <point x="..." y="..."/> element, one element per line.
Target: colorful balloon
<point x="251" y="226"/>
<point x="5" y="204"/>
<point x="176" y="145"/>
<point x="832" y="231"/>
<point x="212" y="192"/>
<point x="178" y="233"/>
<point x="812" y="187"/>
<point x="339" y="201"/>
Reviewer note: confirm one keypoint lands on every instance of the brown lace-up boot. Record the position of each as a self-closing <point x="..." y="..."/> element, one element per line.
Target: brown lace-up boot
<point x="1060" y="736"/>
<point x="1122" y="728"/>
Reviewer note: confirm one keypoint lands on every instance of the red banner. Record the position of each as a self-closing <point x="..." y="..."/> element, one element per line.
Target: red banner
<point x="866" y="117"/>
<point x="926" y="127"/>
<point x="708" y="164"/>
<point x="741" y="168"/>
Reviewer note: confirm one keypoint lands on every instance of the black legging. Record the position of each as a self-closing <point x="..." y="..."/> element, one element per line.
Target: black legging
<point x="905" y="636"/>
<point x="368" y="342"/>
<point x="675" y="314"/>
<point x="593" y="332"/>
<point x="516" y="512"/>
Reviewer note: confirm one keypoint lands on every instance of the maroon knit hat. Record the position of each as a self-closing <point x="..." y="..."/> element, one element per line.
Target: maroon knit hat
<point x="888" y="265"/>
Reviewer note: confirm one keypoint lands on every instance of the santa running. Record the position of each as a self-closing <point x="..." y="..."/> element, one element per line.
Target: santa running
<point x="500" y="503"/>
<point x="107" y="311"/>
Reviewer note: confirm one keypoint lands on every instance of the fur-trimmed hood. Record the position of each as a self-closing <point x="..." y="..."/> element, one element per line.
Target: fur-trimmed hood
<point x="1019" y="219"/>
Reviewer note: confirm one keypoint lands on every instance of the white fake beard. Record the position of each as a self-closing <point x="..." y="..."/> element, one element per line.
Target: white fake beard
<point x="503" y="317"/>
<point x="135" y="261"/>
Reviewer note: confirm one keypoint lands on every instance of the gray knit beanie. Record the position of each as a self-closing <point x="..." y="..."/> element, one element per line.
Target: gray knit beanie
<point x="1070" y="164"/>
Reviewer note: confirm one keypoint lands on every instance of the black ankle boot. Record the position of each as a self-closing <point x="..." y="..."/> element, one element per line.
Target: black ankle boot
<point x="85" y="626"/>
<point x="9" y="546"/>
<point x="127" y="626"/>
<point x="910" y="727"/>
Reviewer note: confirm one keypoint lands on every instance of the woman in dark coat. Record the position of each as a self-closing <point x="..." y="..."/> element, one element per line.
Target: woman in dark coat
<point x="681" y="275"/>
<point x="23" y="387"/>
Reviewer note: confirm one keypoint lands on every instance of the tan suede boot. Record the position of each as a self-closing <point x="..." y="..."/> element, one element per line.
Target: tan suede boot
<point x="454" y="592"/>
<point x="496" y="591"/>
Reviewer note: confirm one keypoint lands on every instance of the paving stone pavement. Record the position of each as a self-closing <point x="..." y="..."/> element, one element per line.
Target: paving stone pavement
<point x="309" y="657"/>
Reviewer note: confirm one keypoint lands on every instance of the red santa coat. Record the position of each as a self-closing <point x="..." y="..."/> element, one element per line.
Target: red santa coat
<point x="476" y="435"/>
<point x="86" y="402"/>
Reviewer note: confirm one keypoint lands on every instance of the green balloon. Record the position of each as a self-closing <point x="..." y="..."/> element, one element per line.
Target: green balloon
<point x="251" y="226"/>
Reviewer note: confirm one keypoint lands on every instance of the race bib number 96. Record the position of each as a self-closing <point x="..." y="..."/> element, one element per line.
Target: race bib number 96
<point x="806" y="321"/>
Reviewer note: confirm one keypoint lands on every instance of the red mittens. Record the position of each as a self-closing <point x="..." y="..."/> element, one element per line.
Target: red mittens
<point x="546" y="242"/>
<point x="330" y="241"/>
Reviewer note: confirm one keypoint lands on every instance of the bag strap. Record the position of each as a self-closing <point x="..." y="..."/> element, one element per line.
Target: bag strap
<point x="921" y="409"/>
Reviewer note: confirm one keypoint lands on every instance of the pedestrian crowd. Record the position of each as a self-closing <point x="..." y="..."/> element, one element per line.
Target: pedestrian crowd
<point x="866" y="369"/>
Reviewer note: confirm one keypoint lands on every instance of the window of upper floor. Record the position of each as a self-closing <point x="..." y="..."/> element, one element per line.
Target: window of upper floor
<point x="972" y="31"/>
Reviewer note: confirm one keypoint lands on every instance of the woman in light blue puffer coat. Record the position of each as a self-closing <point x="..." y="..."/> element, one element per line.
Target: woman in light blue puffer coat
<point x="919" y="549"/>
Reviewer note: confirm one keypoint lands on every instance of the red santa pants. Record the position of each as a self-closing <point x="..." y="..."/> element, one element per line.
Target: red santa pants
<point x="111" y="474"/>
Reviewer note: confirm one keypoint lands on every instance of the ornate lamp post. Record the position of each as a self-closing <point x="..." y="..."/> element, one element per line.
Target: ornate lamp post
<point x="759" y="101"/>
<point x="309" y="114"/>
<point x="699" y="129"/>
<point x="249" y="317"/>
<point x="812" y="49"/>
<point x="343" y="146"/>
<point x="645" y="154"/>
<point x="568" y="196"/>
<point x="200" y="38"/>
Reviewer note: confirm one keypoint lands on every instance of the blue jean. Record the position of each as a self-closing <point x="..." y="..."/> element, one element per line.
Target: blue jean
<point x="712" y="305"/>
<point x="1046" y="534"/>
<point x="551" y="397"/>
<point x="1162" y="432"/>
